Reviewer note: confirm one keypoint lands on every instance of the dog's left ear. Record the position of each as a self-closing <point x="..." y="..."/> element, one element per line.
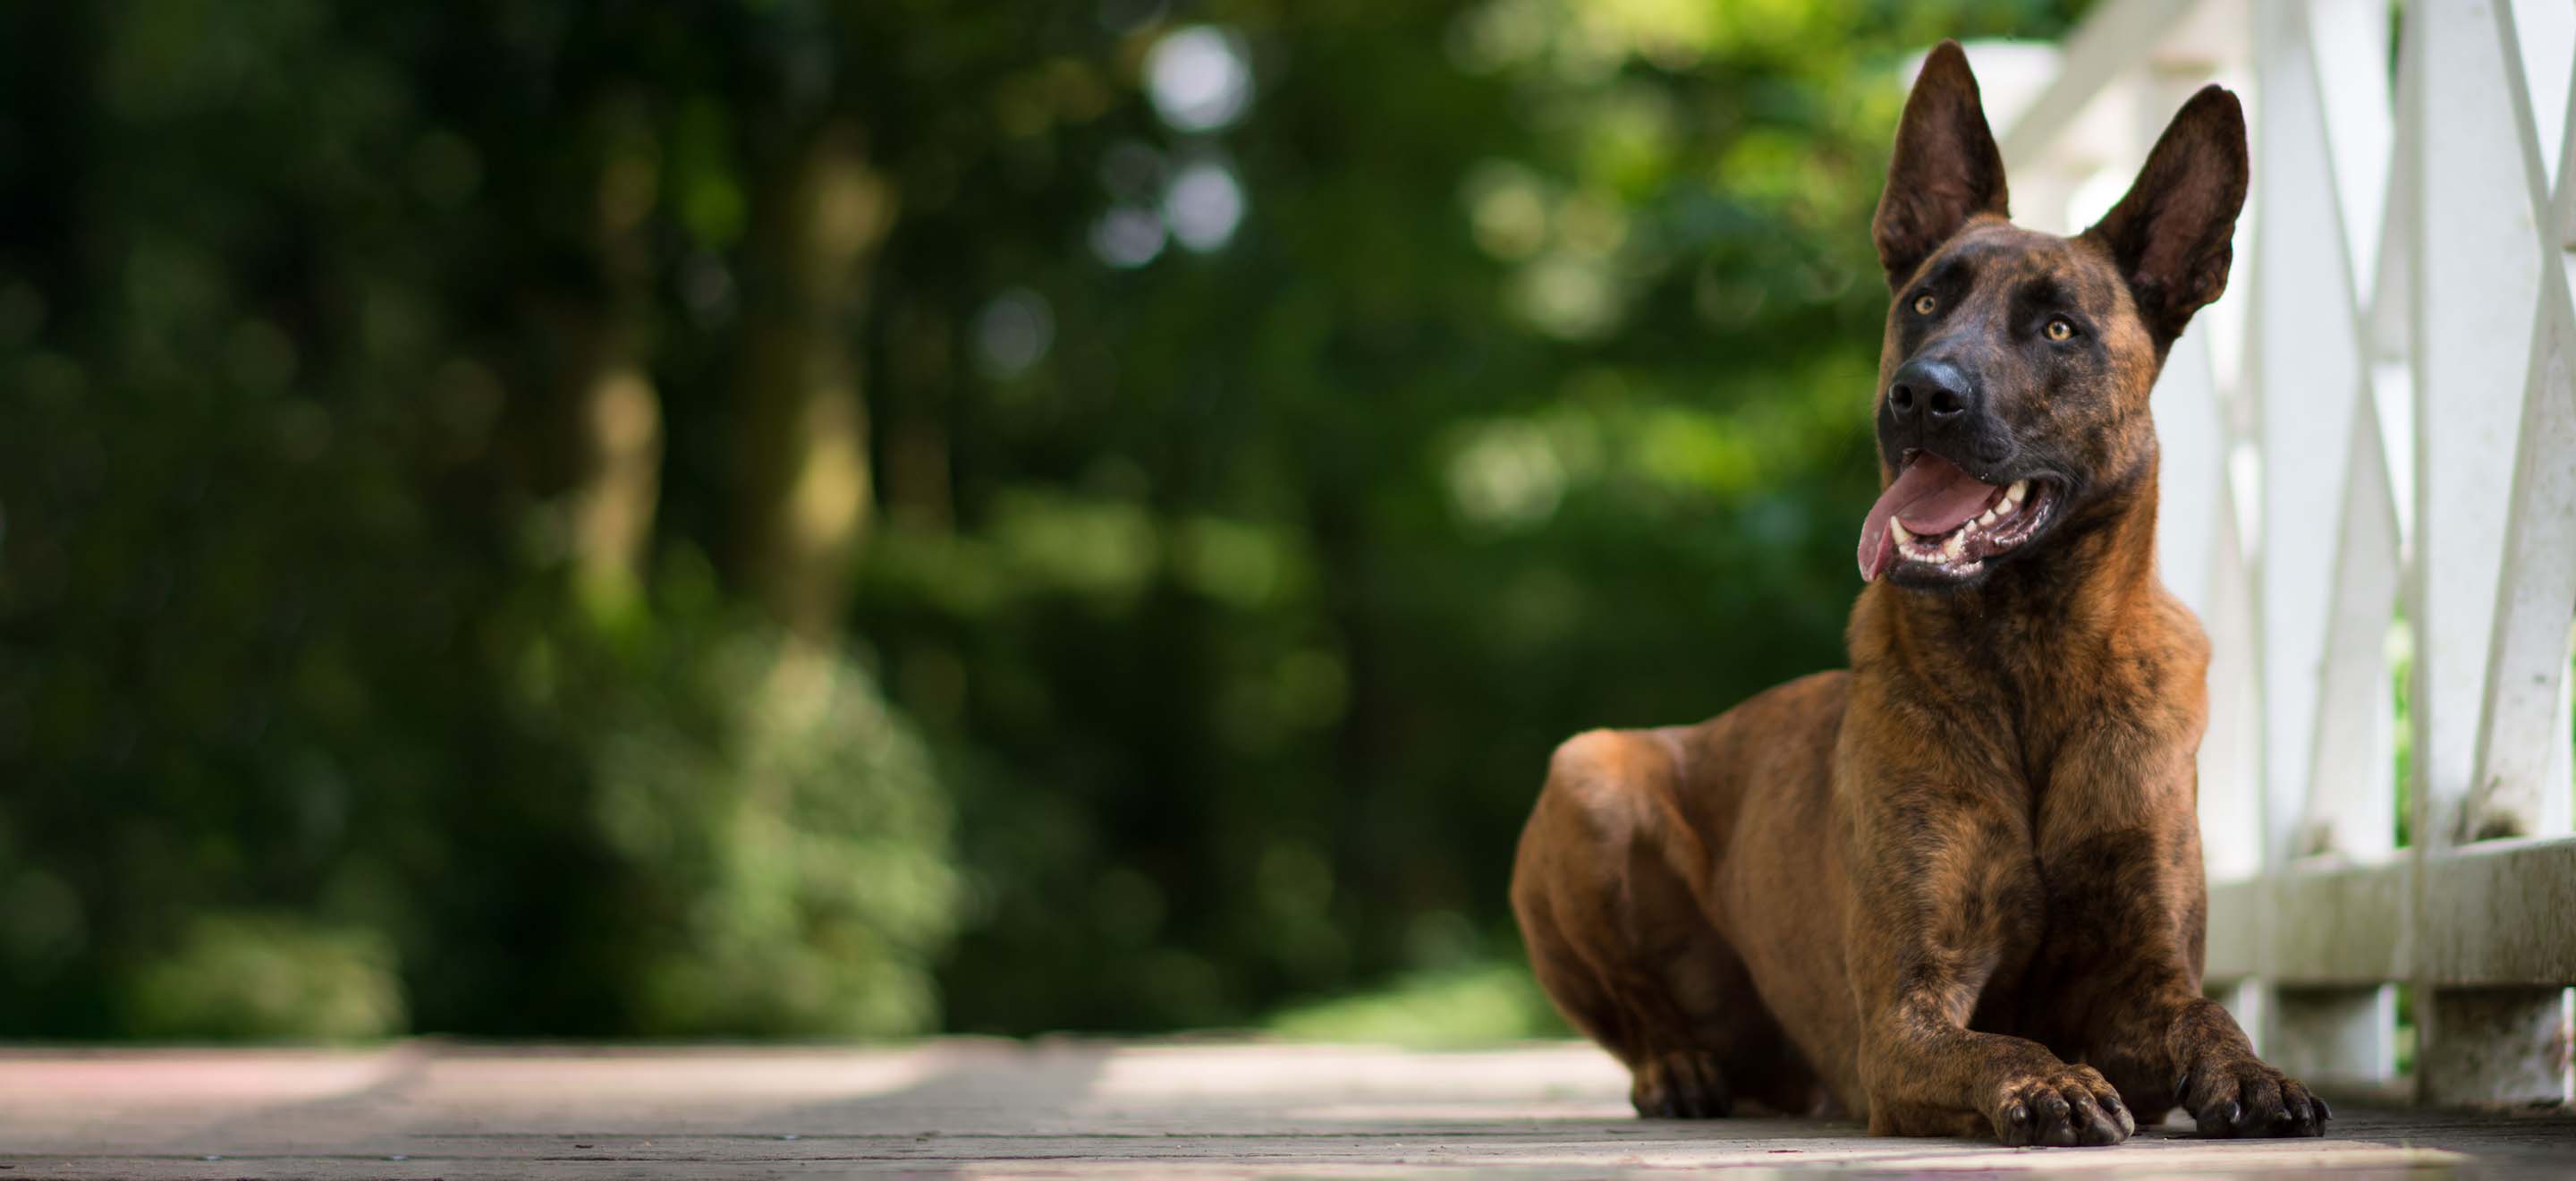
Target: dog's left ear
<point x="2171" y="234"/>
<point x="1945" y="170"/>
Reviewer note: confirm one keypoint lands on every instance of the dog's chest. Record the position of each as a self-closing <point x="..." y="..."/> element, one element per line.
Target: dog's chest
<point x="2052" y="907"/>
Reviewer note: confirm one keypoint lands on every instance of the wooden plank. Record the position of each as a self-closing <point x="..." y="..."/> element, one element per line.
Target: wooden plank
<point x="2495" y="913"/>
<point x="2307" y="379"/>
<point x="2349" y="45"/>
<point x="2544" y="34"/>
<point x="2239" y="939"/>
<point x="2521" y="785"/>
<point x="2316" y="924"/>
<point x="2341" y="925"/>
<point x="2335" y="1038"/>
<point x="2351" y="795"/>
<point x="2495" y="944"/>
<point x="2505" y="1047"/>
<point x="1053" y="1107"/>
<point x="2520" y="788"/>
<point x="2192" y="485"/>
<point x="2500" y="913"/>
<point x="2230" y="759"/>
<point x="2477" y="279"/>
<point x="2352" y="799"/>
<point x="2390" y="316"/>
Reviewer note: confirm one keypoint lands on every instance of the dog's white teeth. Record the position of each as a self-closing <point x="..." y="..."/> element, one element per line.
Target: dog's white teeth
<point x="1987" y="517"/>
<point x="1956" y="547"/>
<point x="2019" y="489"/>
<point x="1897" y="527"/>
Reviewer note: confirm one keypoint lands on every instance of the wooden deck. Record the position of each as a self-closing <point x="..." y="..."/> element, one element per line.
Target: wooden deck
<point x="426" y="1110"/>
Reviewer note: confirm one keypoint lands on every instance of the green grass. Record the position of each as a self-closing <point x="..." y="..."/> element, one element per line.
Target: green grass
<point x="1479" y="1004"/>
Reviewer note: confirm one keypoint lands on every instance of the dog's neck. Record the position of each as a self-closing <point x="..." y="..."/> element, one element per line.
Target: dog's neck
<point x="2076" y="596"/>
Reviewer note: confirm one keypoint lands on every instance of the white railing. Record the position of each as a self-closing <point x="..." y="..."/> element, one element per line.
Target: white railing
<point x="2369" y="457"/>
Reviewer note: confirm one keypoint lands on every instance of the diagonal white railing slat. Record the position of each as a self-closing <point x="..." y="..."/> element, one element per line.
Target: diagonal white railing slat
<point x="2519" y="768"/>
<point x="2544" y="32"/>
<point x="2306" y="361"/>
<point x="2353" y="725"/>
<point x="2477" y="280"/>
<point x="2524" y="700"/>
<point x="2393" y="444"/>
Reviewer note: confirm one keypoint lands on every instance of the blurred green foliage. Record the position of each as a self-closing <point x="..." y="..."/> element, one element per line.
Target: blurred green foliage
<point x="265" y="977"/>
<point x="850" y="518"/>
<point x="1476" y="1004"/>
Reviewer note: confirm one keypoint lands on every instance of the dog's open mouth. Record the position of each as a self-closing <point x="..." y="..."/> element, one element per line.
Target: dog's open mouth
<point x="1943" y="525"/>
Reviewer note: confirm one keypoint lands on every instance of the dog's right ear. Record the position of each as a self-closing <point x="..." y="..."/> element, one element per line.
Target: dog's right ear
<point x="1946" y="168"/>
<point x="2173" y="234"/>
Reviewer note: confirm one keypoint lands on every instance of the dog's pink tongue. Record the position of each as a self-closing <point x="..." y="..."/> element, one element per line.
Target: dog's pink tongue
<point x="1931" y="496"/>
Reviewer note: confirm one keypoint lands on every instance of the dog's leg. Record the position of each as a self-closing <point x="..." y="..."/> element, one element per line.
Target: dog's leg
<point x="1618" y="939"/>
<point x="2215" y="1076"/>
<point x="1945" y="894"/>
<point x="2128" y="978"/>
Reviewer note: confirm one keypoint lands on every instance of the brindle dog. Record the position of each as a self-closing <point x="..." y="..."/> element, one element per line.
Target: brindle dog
<point x="1958" y="887"/>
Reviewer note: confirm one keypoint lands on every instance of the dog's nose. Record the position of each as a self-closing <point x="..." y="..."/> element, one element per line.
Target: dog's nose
<point x="1935" y="388"/>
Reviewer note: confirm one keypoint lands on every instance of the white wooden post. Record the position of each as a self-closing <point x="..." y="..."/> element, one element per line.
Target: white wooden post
<point x="2520" y="787"/>
<point x="2328" y="567"/>
<point x="2305" y="357"/>
<point x="2477" y="278"/>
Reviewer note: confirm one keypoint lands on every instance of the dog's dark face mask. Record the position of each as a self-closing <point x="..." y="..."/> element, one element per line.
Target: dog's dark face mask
<point x="2014" y="375"/>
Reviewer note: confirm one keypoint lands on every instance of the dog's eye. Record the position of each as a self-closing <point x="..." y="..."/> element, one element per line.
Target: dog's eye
<point x="1923" y="305"/>
<point x="2059" y="329"/>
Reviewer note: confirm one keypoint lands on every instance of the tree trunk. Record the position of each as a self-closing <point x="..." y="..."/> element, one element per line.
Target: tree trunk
<point x="803" y="462"/>
<point x="616" y="430"/>
<point x="620" y="442"/>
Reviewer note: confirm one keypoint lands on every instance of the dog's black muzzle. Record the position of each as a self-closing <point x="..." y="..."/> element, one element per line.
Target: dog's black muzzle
<point x="1936" y="404"/>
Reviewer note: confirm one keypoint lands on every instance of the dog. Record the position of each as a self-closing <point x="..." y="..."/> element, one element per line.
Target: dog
<point x="1956" y="889"/>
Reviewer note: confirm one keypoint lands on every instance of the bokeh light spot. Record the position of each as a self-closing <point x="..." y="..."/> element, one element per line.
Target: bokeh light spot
<point x="1127" y="236"/>
<point x="1013" y="333"/>
<point x="1506" y="475"/>
<point x="1568" y="296"/>
<point x="1506" y="210"/>
<point x="1203" y="206"/>
<point x="1199" y="78"/>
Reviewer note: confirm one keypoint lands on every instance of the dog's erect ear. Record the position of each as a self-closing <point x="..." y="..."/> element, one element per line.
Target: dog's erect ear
<point x="2171" y="234"/>
<point x="1946" y="168"/>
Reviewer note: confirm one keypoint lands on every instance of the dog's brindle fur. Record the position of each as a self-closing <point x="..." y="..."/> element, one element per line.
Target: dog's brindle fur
<point x="1956" y="889"/>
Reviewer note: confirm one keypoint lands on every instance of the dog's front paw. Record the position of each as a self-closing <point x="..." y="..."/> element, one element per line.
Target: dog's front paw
<point x="2063" y="1107"/>
<point x="2239" y="1095"/>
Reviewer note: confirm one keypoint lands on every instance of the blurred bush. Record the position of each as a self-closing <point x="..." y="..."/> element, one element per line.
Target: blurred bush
<point x="1471" y="1006"/>
<point x="788" y="845"/>
<point x="264" y="977"/>
<point x="851" y="517"/>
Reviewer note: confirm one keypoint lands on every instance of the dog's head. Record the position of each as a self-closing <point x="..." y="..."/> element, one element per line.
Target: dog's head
<point x="2013" y="381"/>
